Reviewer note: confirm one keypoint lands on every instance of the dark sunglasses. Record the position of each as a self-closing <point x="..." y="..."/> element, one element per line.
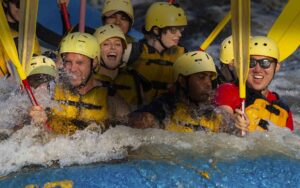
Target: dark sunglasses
<point x="263" y="63"/>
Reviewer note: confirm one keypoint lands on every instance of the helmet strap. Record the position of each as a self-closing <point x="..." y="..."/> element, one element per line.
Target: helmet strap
<point x="83" y="84"/>
<point x="105" y="66"/>
<point x="184" y="82"/>
<point x="157" y="32"/>
<point x="274" y="72"/>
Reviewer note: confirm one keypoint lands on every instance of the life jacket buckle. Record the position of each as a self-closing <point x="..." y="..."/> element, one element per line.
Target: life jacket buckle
<point x="273" y="110"/>
<point x="263" y="124"/>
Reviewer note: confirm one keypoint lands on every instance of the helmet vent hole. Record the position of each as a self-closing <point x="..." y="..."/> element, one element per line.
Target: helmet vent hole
<point x="197" y="60"/>
<point x="44" y="60"/>
<point x="265" y="44"/>
<point x="101" y="32"/>
<point x="256" y="44"/>
<point x="194" y="54"/>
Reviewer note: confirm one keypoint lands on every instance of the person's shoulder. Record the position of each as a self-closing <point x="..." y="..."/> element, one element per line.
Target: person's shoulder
<point x="227" y="87"/>
<point x="276" y="99"/>
<point x="273" y="96"/>
<point x="227" y="94"/>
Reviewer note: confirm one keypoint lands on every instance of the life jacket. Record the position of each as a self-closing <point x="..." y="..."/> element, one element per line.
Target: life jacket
<point x="182" y="121"/>
<point x="157" y="68"/>
<point x="4" y="59"/>
<point x="127" y="84"/>
<point x="78" y="111"/>
<point x="260" y="111"/>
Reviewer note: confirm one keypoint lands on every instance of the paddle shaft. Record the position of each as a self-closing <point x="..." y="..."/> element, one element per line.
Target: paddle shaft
<point x="64" y="11"/>
<point x="29" y="92"/>
<point x="215" y="32"/>
<point x="82" y="15"/>
<point x="240" y="21"/>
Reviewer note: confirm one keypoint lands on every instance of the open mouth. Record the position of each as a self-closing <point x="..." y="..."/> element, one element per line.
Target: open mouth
<point x="258" y="77"/>
<point x="112" y="56"/>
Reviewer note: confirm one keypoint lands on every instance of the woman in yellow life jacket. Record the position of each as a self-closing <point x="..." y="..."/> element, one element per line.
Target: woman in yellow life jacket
<point x="121" y="81"/>
<point x="154" y="56"/>
<point x="82" y="100"/>
<point x="119" y="13"/>
<point x="12" y="8"/>
<point x="189" y="108"/>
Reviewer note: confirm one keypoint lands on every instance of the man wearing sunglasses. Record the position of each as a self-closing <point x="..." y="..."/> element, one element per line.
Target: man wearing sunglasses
<point x="263" y="107"/>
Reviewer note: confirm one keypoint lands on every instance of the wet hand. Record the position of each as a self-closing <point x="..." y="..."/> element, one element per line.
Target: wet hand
<point x="241" y="120"/>
<point x="38" y="115"/>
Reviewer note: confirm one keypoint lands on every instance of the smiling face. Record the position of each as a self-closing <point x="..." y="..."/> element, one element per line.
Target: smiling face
<point x="259" y="78"/>
<point x="171" y="36"/>
<point x="111" y="52"/>
<point x="78" y="68"/>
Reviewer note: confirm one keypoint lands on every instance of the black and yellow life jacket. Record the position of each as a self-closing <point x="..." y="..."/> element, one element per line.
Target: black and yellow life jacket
<point x="127" y="84"/>
<point x="157" y="68"/>
<point x="76" y="111"/>
<point x="182" y="121"/>
<point x="4" y="59"/>
<point x="260" y="111"/>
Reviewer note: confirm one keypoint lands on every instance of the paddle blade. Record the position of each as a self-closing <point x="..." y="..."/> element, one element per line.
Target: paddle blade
<point x="215" y="32"/>
<point x="9" y="44"/>
<point x="240" y="19"/>
<point x="27" y="28"/>
<point x="286" y="29"/>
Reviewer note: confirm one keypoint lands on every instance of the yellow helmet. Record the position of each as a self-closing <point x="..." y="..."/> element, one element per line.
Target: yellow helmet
<point x="264" y="46"/>
<point x="117" y="5"/>
<point x="108" y="31"/>
<point x="164" y="14"/>
<point x="226" y="51"/>
<point x="194" y="62"/>
<point x="41" y="65"/>
<point x="81" y="43"/>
